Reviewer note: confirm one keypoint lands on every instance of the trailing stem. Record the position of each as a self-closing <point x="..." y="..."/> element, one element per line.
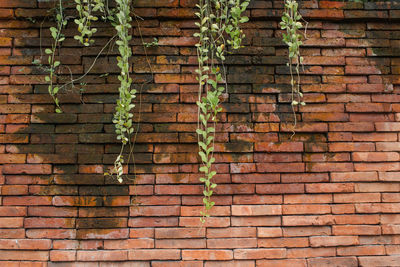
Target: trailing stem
<point x="292" y="38"/>
<point x="58" y="38"/>
<point x="123" y="116"/>
<point x="218" y="24"/>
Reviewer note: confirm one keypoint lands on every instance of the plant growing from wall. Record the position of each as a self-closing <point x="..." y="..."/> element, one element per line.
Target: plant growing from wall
<point x="58" y="38"/>
<point x="121" y="19"/>
<point x="219" y="22"/>
<point x="219" y="32"/>
<point x="292" y="38"/>
<point x="123" y="116"/>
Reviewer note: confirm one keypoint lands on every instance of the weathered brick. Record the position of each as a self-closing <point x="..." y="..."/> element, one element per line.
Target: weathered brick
<point x="338" y="261"/>
<point x="155" y="254"/>
<point x="333" y="241"/>
<point x="259" y="253"/>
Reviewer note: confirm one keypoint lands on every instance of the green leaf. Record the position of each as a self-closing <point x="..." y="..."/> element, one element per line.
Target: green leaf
<point x="203" y="156"/>
<point x="203" y="169"/>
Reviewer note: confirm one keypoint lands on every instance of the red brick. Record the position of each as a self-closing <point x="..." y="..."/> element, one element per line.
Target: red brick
<point x="306" y="231"/>
<point x="27" y="200"/>
<point x="62" y="255"/>
<point x="377" y="187"/>
<point x="343" y="209"/>
<point x="277" y="167"/>
<point x="357" y="197"/>
<point x="305" y="209"/>
<point x="356" y="219"/>
<point x="12" y="233"/>
<point x="241" y="263"/>
<point x="329" y="188"/>
<point x="33" y="222"/>
<point x="12" y="211"/>
<point x="216" y="211"/>
<point x="308" y="220"/>
<point x="14" y="190"/>
<point x="307" y="198"/>
<point x="279" y="147"/>
<point x="332" y="261"/>
<point x="383" y="166"/>
<point x="25" y="244"/>
<point x="155" y="254"/>
<point x="283" y="263"/>
<point x="361" y="250"/>
<point x="390" y="229"/>
<point x="310" y="252"/>
<point x="153" y="222"/>
<point x="269" y="232"/>
<point x="354" y="176"/>
<point x="256" y="210"/>
<point x="259" y="253"/>
<point x="333" y="241"/>
<point x="210" y="222"/>
<point x="231" y="232"/>
<point x="26" y="255"/>
<point x="27" y="169"/>
<point x="231" y="243"/>
<point x="161" y="233"/>
<point x="388" y="146"/>
<point x="283" y="242"/>
<point x="324" y="167"/>
<point x="387" y="126"/>
<point x="256" y="221"/>
<point x="102" y="233"/>
<point x="51" y="233"/>
<point x="181" y="243"/>
<point x="155" y="211"/>
<point x="304" y="177"/>
<point x="381" y="260"/>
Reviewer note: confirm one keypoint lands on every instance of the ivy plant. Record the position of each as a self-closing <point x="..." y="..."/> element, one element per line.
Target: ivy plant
<point x="219" y="22"/>
<point x="291" y="22"/>
<point x="58" y="38"/>
<point x="123" y="116"/>
<point x="219" y="33"/>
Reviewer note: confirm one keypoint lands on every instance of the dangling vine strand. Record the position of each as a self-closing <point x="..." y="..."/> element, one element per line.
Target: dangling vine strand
<point x="58" y="37"/>
<point x="216" y="19"/>
<point x="292" y="38"/>
<point x="123" y="116"/>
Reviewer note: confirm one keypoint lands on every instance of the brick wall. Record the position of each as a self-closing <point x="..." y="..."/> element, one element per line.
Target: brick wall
<point x="329" y="196"/>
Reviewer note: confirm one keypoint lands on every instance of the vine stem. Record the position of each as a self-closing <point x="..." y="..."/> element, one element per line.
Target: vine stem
<point x="54" y="47"/>
<point x="91" y="66"/>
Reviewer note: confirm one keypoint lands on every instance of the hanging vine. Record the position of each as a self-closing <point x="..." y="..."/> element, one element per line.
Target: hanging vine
<point x="219" y="33"/>
<point x="58" y="38"/>
<point x="219" y="22"/>
<point x="123" y="116"/>
<point x="292" y="38"/>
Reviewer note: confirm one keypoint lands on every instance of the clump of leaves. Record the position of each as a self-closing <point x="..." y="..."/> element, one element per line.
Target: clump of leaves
<point x="86" y="10"/>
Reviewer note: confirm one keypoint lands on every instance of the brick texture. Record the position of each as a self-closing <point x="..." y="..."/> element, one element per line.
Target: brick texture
<point x="327" y="196"/>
